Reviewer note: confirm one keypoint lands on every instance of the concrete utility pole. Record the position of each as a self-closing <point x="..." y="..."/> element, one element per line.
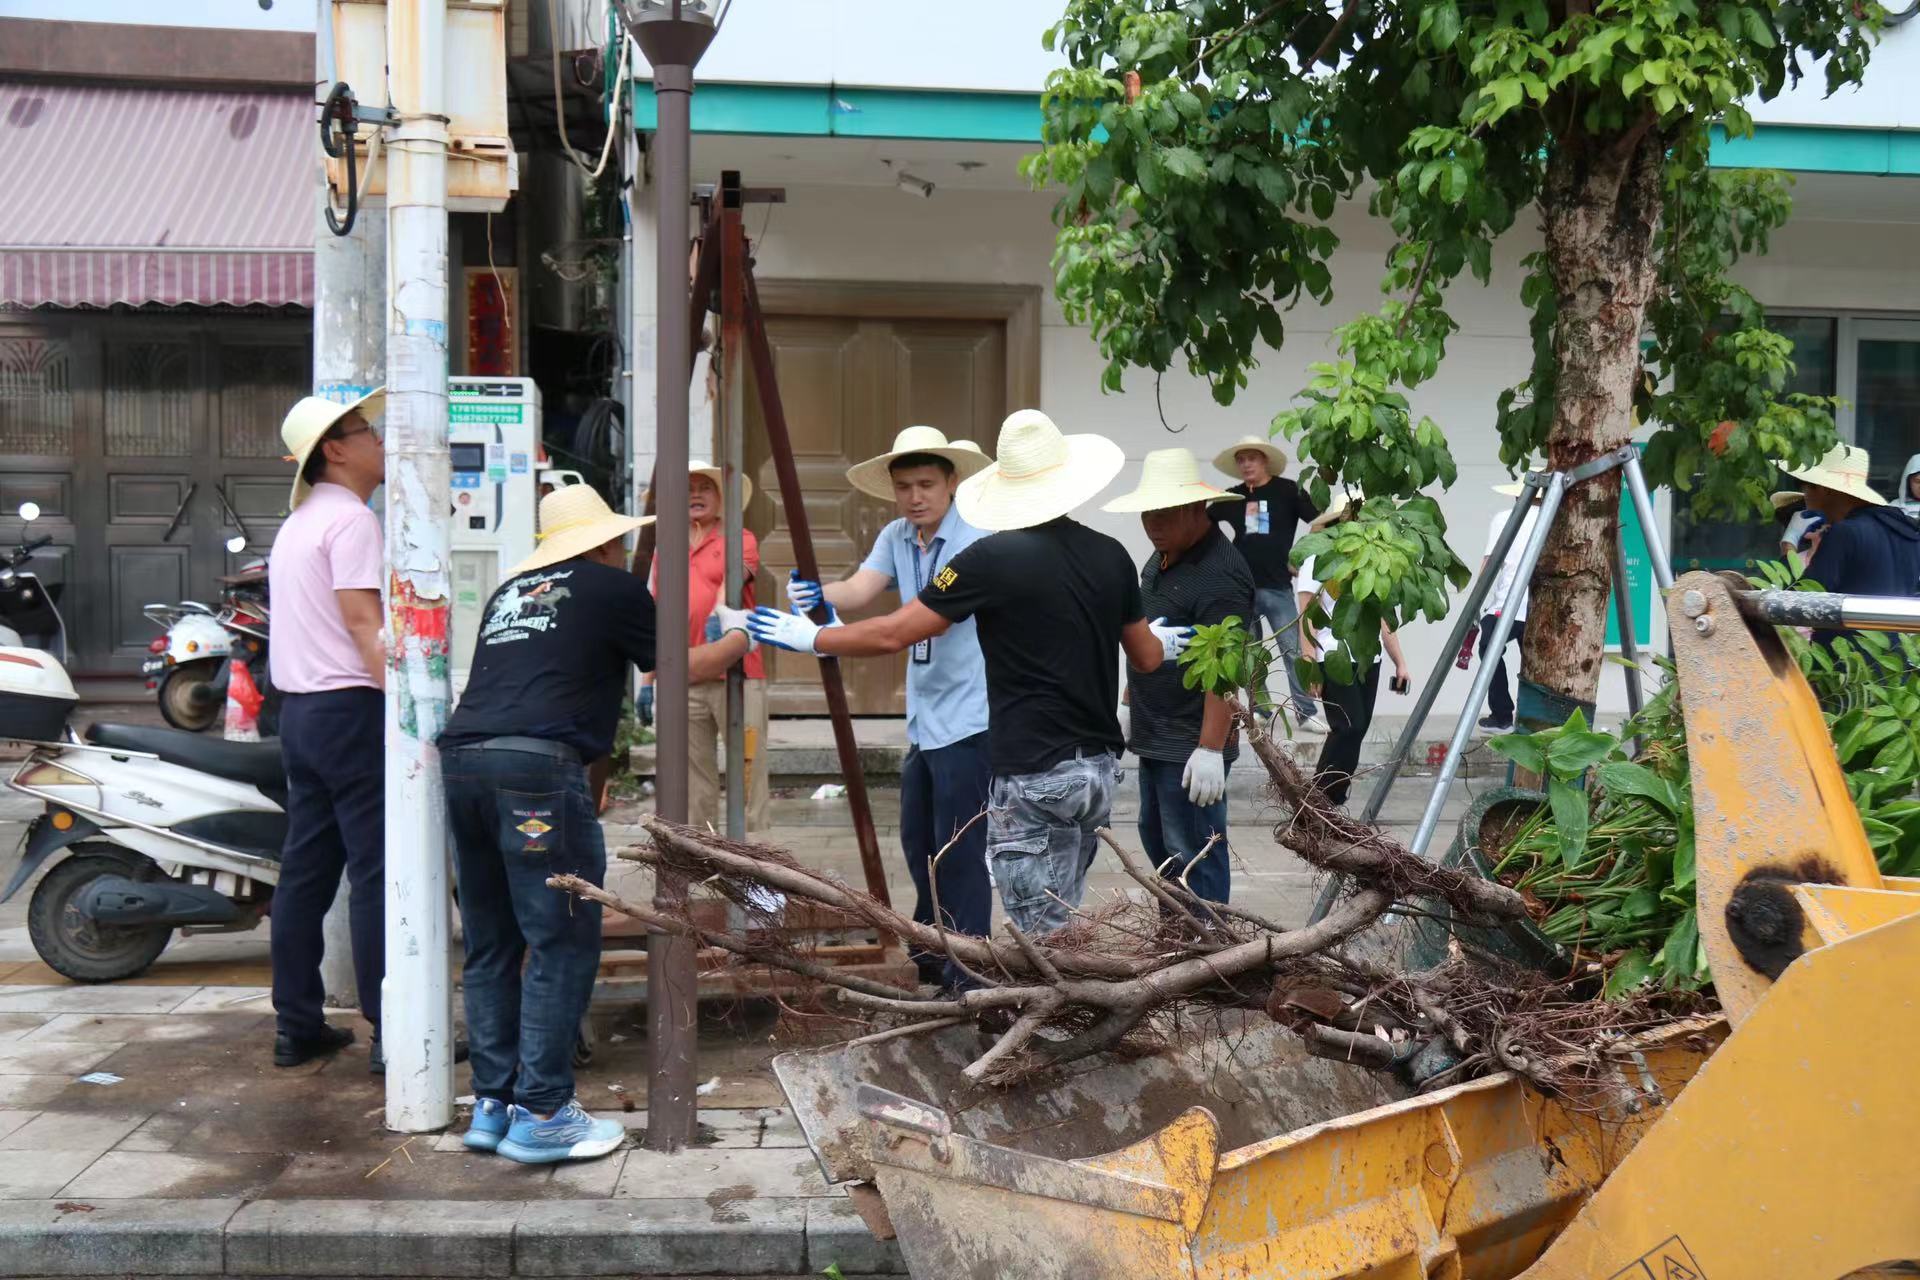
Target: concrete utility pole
<point x="673" y="34"/>
<point x="417" y="1000"/>
<point x="349" y="360"/>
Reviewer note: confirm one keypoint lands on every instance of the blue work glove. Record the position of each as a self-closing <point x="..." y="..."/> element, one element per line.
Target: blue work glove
<point x="1205" y="776"/>
<point x="724" y="620"/>
<point x="793" y="631"/>
<point x="1173" y="640"/>
<point x="645" y="707"/>
<point x="803" y="593"/>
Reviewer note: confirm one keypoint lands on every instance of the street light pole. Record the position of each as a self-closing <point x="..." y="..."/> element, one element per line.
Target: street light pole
<point x="673" y="34"/>
<point x="417" y="997"/>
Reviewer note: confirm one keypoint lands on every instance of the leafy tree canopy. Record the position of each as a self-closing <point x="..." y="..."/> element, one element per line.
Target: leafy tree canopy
<point x="1201" y="147"/>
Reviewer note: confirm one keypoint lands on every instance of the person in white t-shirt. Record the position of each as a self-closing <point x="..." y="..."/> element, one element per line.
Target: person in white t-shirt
<point x="1499" y="717"/>
<point x="1348" y="707"/>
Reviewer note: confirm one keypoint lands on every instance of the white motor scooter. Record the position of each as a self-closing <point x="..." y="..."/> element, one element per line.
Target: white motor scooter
<point x="160" y="829"/>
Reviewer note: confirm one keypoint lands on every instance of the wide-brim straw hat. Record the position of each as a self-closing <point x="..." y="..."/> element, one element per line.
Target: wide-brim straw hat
<point x="573" y="521"/>
<point x="1276" y="456"/>
<point x="701" y="467"/>
<point x="1786" y="498"/>
<point x="1169" y="478"/>
<point x="875" y="478"/>
<point x="1339" y="506"/>
<point x="1041" y="474"/>
<point x="1844" y="470"/>
<point x="307" y="424"/>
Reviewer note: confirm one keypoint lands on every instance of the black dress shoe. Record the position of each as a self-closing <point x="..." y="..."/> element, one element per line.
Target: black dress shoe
<point x="377" y="1059"/>
<point x="291" y="1051"/>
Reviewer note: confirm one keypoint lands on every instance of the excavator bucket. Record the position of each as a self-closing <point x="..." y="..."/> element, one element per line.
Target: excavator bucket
<point x="1772" y="1145"/>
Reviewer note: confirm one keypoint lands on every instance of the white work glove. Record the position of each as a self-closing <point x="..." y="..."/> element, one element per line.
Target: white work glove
<point x="735" y="620"/>
<point x="1205" y="776"/>
<point x="1173" y="640"/>
<point x="802" y="593"/>
<point x="1124" y="714"/>
<point x="793" y="631"/>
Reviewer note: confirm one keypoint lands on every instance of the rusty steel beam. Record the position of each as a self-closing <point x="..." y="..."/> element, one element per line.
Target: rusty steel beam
<point x="792" y="501"/>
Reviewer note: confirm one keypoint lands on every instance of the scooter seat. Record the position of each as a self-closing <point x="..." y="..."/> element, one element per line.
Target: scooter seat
<point x="255" y="763"/>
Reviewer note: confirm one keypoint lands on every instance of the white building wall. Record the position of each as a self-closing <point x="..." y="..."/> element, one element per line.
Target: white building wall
<point x="1005" y="237"/>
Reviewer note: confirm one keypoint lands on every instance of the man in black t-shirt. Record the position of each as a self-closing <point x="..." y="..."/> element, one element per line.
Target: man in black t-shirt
<point x="1052" y="600"/>
<point x="1184" y="737"/>
<point x="1264" y="527"/>
<point x="541" y="702"/>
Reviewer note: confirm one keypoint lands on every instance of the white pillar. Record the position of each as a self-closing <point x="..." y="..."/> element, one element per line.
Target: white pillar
<point x="349" y="360"/>
<point x="417" y="1000"/>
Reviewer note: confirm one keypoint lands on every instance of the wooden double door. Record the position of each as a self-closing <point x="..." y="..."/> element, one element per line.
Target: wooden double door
<point x="147" y="441"/>
<point x="849" y="381"/>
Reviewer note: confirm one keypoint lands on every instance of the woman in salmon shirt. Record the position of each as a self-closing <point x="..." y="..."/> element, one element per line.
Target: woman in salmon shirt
<point x="707" y="702"/>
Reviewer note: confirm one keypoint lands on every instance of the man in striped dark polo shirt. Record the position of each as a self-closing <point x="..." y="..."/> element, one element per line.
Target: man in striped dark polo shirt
<point x="1184" y="737"/>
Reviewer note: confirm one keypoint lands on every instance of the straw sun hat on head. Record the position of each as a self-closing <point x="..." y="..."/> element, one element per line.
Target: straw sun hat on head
<point x="308" y="422"/>
<point x="1843" y="470"/>
<point x="700" y="467"/>
<point x="1225" y="461"/>
<point x="873" y="477"/>
<point x="1339" y="507"/>
<point x="1041" y="474"/>
<point x="573" y="521"/>
<point x="1169" y="478"/>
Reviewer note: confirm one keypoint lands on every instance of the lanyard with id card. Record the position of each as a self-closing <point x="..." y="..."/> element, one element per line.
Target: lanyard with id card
<point x="922" y="651"/>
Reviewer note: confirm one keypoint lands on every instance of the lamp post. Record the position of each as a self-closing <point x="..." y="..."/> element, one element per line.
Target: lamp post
<point x="673" y="34"/>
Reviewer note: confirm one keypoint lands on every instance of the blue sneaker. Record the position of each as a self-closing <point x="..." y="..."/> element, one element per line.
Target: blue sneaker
<point x="571" y="1134"/>
<point x="490" y="1120"/>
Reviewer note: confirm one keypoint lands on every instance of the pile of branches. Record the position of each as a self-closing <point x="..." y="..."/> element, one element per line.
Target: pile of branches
<point x="1117" y="978"/>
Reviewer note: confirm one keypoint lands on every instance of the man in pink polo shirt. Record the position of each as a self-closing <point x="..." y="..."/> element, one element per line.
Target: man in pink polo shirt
<point x="329" y="664"/>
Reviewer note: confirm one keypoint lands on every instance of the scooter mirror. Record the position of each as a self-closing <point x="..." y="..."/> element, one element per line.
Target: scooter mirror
<point x="236" y="544"/>
<point x="29" y="511"/>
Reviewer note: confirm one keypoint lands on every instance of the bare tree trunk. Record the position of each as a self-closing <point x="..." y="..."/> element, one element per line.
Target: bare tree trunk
<point x="1601" y="204"/>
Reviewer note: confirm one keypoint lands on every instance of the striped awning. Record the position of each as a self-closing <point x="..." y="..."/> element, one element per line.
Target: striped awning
<point x="166" y="196"/>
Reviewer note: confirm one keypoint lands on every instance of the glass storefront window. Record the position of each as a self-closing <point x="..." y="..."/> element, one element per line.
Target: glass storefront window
<point x="1734" y="544"/>
<point x="1887" y="399"/>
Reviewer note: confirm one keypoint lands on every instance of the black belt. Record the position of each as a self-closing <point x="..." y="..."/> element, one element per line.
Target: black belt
<point x="532" y="746"/>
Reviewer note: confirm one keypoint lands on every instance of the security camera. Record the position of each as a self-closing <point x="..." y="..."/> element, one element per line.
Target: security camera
<point x="914" y="186"/>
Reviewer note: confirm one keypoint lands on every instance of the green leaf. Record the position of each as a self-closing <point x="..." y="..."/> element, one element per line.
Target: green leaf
<point x="1622" y="777"/>
<point x="1522" y="749"/>
<point x="1445" y="25"/>
<point x="1757" y="29"/>
<point x="1628" y="973"/>
<point x="1678" y="955"/>
<point x="1184" y="162"/>
<point x="1574" y="751"/>
<point x="1569" y="805"/>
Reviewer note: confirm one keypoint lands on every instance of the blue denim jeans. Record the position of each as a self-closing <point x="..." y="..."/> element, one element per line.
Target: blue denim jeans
<point x="517" y="818"/>
<point x="942" y="790"/>
<point x="1040" y="838"/>
<point x="1173" y="830"/>
<point x="1281" y="609"/>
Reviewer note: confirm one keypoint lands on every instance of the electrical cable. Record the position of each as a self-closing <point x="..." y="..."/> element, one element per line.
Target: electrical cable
<point x="339" y="106"/>
<point x="559" y="105"/>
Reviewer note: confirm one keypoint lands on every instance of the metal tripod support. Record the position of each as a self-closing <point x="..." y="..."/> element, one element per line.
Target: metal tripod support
<point x="1552" y="486"/>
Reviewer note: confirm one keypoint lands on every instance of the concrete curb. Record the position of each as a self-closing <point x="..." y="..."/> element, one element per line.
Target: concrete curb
<point x="550" y="1239"/>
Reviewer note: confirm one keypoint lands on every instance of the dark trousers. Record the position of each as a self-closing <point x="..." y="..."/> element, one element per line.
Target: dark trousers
<point x="1349" y="713"/>
<point x="1173" y="830"/>
<point x="334" y="746"/>
<point x="1499" y="697"/>
<point x="516" y="818"/>
<point x="941" y="791"/>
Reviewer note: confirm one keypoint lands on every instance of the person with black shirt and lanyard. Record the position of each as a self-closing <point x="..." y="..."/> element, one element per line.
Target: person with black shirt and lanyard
<point x="1052" y="600"/>
<point x="555" y="642"/>
<point x="1184" y="737"/>
<point x="1264" y="527"/>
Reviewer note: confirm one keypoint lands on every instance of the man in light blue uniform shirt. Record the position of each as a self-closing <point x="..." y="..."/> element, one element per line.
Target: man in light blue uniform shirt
<point x="945" y="781"/>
